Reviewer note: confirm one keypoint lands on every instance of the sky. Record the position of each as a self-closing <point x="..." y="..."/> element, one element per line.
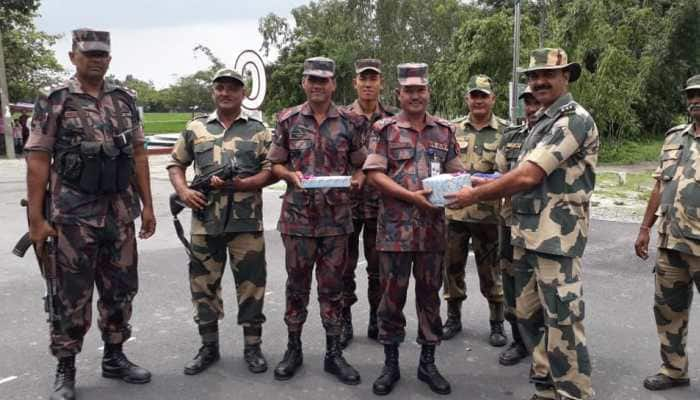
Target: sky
<point x="153" y="39"/>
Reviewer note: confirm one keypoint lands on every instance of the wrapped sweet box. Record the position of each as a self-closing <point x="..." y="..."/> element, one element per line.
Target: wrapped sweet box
<point x="324" y="182"/>
<point x="443" y="184"/>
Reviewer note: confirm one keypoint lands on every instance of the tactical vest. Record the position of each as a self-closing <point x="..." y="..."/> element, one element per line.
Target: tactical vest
<point x="95" y="167"/>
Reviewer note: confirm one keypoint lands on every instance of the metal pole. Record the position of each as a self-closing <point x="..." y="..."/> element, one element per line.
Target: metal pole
<point x="5" y="109"/>
<point x="516" y="59"/>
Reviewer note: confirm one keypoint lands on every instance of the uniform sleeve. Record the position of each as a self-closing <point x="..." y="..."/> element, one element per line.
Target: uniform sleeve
<point x="501" y="161"/>
<point x="358" y="152"/>
<point x="659" y="168"/>
<point x="377" y="151"/>
<point x="137" y="136"/>
<point x="453" y="162"/>
<point x="279" y="148"/>
<point x="182" y="154"/>
<point x="567" y="136"/>
<point x="266" y="137"/>
<point x="42" y="134"/>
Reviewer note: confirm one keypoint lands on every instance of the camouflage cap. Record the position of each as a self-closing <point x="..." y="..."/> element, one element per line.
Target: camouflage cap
<point x="548" y="58"/>
<point x="227" y="73"/>
<point x="481" y="83"/>
<point x="693" y="83"/>
<point x="319" y="66"/>
<point x="526" y="93"/>
<point x="85" y="40"/>
<point x="412" y="74"/>
<point x="368" y="64"/>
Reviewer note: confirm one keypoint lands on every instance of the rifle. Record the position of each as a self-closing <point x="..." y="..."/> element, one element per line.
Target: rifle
<point x="200" y="183"/>
<point x="45" y="257"/>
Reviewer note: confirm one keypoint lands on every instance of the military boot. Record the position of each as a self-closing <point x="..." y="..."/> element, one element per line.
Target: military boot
<point x="334" y="363"/>
<point x="428" y="372"/>
<point x="251" y="352"/>
<point x="372" y="327"/>
<point x="390" y="373"/>
<point x="663" y="382"/>
<point x="516" y="351"/>
<point x="453" y="325"/>
<point x="292" y="360"/>
<point x="346" y="333"/>
<point x="497" y="338"/>
<point x="115" y="365"/>
<point x="64" y="386"/>
<point x="207" y="355"/>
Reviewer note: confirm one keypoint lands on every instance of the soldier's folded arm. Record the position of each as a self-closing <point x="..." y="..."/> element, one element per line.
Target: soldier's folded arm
<point x="375" y="169"/>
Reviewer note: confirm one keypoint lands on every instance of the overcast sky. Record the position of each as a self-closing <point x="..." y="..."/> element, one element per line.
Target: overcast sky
<point x="153" y="39"/>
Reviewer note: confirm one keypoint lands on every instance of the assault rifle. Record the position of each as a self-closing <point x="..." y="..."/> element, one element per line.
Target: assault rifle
<point x="45" y="257"/>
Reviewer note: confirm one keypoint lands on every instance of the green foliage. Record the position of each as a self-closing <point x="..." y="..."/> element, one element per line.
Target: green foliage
<point x="154" y="123"/>
<point x="29" y="62"/>
<point x="624" y="152"/>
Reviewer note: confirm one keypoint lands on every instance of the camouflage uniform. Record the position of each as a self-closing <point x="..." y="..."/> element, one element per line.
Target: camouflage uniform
<point x="478" y="223"/>
<point x="315" y="224"/>
<point x="406" y="235"/>
<point x="365" y="205"/>
<point x="96" y="244"/>
<point x="678" y="262"/>
<point x="231" y="222"/>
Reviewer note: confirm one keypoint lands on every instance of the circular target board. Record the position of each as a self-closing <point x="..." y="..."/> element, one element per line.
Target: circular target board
<point x="251" y="66"/>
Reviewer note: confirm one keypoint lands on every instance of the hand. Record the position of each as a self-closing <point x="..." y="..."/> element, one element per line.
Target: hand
<point x="641" y="246"/>
<point x="216" y="182"/>
<point x="420" y="199"/>
<point x="148" y="223"/>
<point x="192" y="198"/>
<point x="294" y="178"/>
<point x="358" y="180"/>
<point x="39" y="231"/>
<point x="463" y="198"/>
<point x="241" y="184"/>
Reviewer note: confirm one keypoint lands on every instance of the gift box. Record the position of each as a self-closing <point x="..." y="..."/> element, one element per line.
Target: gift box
<point x="443" y="184"/>
<point x="324" y="182"/>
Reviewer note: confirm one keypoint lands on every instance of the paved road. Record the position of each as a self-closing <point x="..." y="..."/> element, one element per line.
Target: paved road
<point x="619" y="323"/>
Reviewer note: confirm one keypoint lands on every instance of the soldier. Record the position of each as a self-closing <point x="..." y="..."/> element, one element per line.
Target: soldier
<point x="677" y="191"/>
<point x="368" y="83"/>
<point x="478" y="135"/>
<point x="404" y="150"/>
<point x="86" y="142"/>
<point x="506" y="159"/>
<point x="551" y="189"/>
<point x="228" y="219"/>
<point x="318" y="139"/>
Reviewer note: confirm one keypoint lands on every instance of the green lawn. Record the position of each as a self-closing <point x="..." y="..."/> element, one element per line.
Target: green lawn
<point x="638" y="185"/>
<point x="628" y="152"/>
<point x="165" y="122"/>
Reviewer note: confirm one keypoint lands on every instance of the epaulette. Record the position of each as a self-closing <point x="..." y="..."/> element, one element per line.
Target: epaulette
<point x="459" y="120"/>
<point x="288" y="112"/>
<point x="567" y="109"/>
<point x="444" y="122"/>
<point x="383" y="123"/>
<point x="503" y="121"/>
<point x="199" y="115"/>
<point x="512" y="129"/>
<point x="391" y="110"/>
<point x="51" y="90"/>
<point x="676" y="129"/>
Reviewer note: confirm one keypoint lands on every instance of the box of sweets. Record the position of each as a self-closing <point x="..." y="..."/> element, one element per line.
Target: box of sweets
<point x="443" y="184"/>
<point x="324" y="182"/>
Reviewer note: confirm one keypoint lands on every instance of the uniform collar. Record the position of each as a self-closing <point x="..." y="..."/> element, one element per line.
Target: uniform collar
<point x="215" y="117"/>
<point x="332" y="110"/>
<point x="563" y="100"/>
<point x="403" y="122"/>
<point x="690" y="130"/>
<point x="75" y="87"/>
<point x="357" y="109"/>
<point x="493" y="122"/>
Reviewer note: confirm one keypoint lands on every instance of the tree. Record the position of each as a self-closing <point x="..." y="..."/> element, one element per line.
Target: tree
<point x="29" y="61"/>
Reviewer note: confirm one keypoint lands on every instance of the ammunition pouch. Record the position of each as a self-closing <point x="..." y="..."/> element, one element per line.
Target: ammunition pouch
<point x="96" y="167"/>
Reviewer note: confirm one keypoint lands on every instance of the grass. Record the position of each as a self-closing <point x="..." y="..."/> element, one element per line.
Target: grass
<point x="629" y="152"/>
<point x="155" y="123"/>
<point x="638" y="185"/>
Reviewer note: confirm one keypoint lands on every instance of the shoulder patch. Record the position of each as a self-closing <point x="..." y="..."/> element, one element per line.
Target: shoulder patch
<point x="676" y="128"/>
<point x="568" y="108"/>
<point x="383" y="123"/>
<point x="288" y="112"/>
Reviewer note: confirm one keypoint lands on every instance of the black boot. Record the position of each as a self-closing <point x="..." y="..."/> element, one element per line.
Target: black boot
<point x="498" y="337"/>
<point x="372" y="327"/>
<point x="390" y="373"/>
<point x="453" y="325"/>
<point x="64" y="386"/>
<point x="251" y="352"/>
<point x="292" y="360"/>
<point x="207" y="355"/>
<point x="346" y="334"/>
<point x="516" y="351"/>
<point x="334" y="363"/>
<point x="428" y="372"/>
<point x="115" y="365"/>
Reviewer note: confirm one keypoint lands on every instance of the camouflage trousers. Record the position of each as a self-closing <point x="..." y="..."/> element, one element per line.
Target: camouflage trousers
<point x="246" y="251"/>
<point x="484" y="238"/>
<point x="550" y="286"/>
<point x="395" y="271"/>
<point x="369" y="240"/>
<point x="329" y="254"/>
<point x="88" y="257"/>
<point x="675" y="274"/>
